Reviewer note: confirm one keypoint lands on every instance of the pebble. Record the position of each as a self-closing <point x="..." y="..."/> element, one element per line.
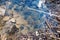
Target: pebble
<point x="4" y="37"/>
<point x="12" y="20"/>
<point x="9" y="3"/>
<point x="6" y="18"/>
<point x="37" y="33"/>
<point x="17" y="26"/>
<point x="28" y="39"/>
<point x="2" y="11"/>
<point x="58" y="31"/>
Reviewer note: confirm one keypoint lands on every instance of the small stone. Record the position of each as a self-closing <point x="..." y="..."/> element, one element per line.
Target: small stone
<point x="58" y="31"/>
<point x="37" y="33"/>
<point x="9" y="3"/>
<point x="4" y="37"/>
<point x="6" y="18"/>
<point x="28" y="39"/>
<point x="2" y="11"/>
<point x="12" y="20"/>
<point x="17" y="26"/>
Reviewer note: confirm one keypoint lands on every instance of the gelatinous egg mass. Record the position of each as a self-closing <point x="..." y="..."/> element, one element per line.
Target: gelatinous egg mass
<point x="20" y="17"/>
